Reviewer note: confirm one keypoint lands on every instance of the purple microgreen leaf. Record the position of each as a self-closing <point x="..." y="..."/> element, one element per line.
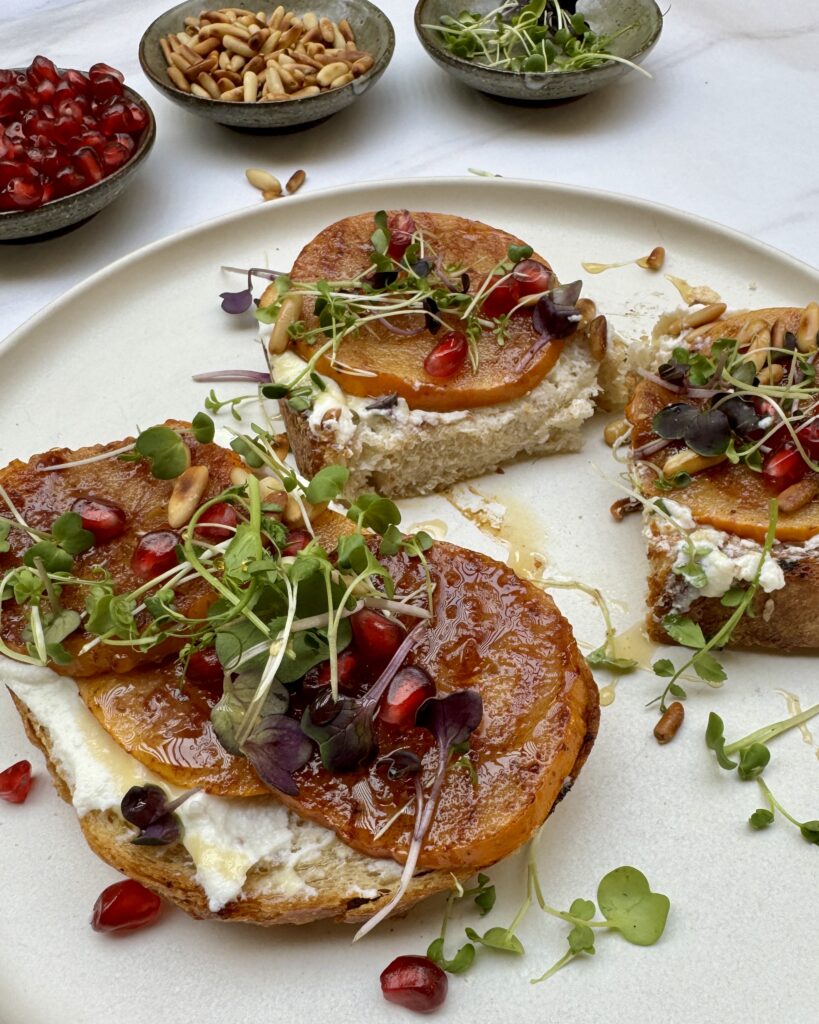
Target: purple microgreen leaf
<point x="431" y="322"/>
<point x="277" y="747"/>
<point x="566" y="294"/>
<point x="741" y="414"/>
<point x="345" y="741"/>
<point x="451" y="719"/>
<point x="554" y="320"/>
<point x="400" y="764"/>
<point x="237" y="302"/>
<point x="162" y="832"/>
<point x="147" y="808"/>
<point x="708" y="433"/>
<point x="673" y="421"/>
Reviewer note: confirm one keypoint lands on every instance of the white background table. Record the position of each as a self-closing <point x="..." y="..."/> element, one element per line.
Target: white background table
<point x="728" y="128"/>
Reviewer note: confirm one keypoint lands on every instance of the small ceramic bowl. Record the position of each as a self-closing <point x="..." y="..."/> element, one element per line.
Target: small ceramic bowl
<point x="373" y="33"/>
<point x="641" y="19"/>
<point x="58" y="215"/>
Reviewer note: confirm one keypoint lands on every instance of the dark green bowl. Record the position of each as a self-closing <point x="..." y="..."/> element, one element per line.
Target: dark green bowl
<point x="70" y="211"/>
<point x="642" y="18"/>
<point x="373" y="32"/>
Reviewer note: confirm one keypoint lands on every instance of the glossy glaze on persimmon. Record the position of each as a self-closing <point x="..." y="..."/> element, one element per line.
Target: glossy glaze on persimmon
<point x="342" y="251"/>
<point x="728" y="497"/>
<point x="41" y="497"/>
<point x="492" y="631"/>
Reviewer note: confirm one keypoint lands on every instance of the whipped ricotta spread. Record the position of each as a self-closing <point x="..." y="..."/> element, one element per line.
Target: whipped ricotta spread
<point x="225" y="837"/>
<point x="724" y="558"/>
<point x="348" y="411"/>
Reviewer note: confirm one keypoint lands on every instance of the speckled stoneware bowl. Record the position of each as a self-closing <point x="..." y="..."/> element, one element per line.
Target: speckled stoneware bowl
<point x="373" y="33"/>
<point x="70" y="211"/>
<point x="642" y="18"/>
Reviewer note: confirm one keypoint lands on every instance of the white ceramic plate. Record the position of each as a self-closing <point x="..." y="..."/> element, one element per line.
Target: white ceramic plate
<point x="741" y="937"/>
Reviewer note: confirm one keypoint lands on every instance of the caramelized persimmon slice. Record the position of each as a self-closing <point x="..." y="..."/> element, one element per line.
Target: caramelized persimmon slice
<point x="396" y="363"/>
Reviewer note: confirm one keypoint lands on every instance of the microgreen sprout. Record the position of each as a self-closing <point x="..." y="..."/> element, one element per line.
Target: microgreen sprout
<point x="535" y="37"/>
<point x="764" y="816"/>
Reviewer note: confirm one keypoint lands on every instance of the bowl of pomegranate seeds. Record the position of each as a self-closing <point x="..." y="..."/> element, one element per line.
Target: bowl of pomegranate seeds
<point x="70" y="141"/>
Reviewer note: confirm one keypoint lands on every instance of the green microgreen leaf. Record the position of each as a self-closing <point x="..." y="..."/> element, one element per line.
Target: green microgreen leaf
<point x="53" y="558"/>
<point x="584" y="909"/>
<point x="165" y="450"/>
<point x="753" y="760"/>
<point x="761" y="818"/>
<point x="628" y="904"/>
<point x="461" y="962"/>
<point x="715" y="740"/>
<point x="203" y="428"/>
<point x="68" y="532"/>
<point x="516" y="253"/>
<point x="601" y="656"/>
<point x="5" y="527"/>
<point x="664" y="667"/>
<point x="684" y="630"/>
<point x="373" y="512"/>
<point x="708" y="668"/>
<point x="327" y="484"/>
<point x="497" y="938"/>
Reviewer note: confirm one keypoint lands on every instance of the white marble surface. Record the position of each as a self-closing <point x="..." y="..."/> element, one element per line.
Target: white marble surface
<point x="728" y="129"/>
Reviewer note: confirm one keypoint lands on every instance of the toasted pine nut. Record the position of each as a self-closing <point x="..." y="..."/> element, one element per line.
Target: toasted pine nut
<point x="166" y="50"/>
<point x="305" y="93"/>
<point x="654" y="260"/>
<point x="187" y="492"/>
<point x="586" y="307"/>
<point x="203" y="94"/>
<point x="237" y="62"/>
<point x="227" y="76"/>
<point x="209" y="85"/>
<point x="262" y="179"/>
<point x="275" y="19"/>
<point x="597" y="335"/>
<point x="235" y="95"/>
<point x="624" y="507"/>
<point x="250" y="86"/>
<point x="706" y="315"/>
<point x="191" y="56"/>
<point x="295" y="181"/>
<point x="235" y="45"/>
<point x="205" y="46"/>
<point x="290" y="37"/>
<point x="309" y="20"/>
<point x="613" y="431"/>
<point x="269" y="44"/>
<point x="178" y="78"/>
<point x="795" y="497"/>
<point x="669" y="725"/>
<point x="328" y="33"/>
<point x="346" y="30"/>
<point x="239" y="476"/>
<point x="206" y="66"/>
<point x="291" y="514"/>
<point x="341" y="81"/>
<point x="180" y="62"/>
<point x="688" y="461"/>
<point x="338" y="38"/>
<point x="751" y="327"/>
<point x="288" y="80"/>
<point x="772" y="374"/>
<point x="362" y="65"/>
<point x="272" y="193"/>
<point x="808" y="329"/>
<point x="330" y="72"/>
<point x="291" y="310"/>
<point x="225" y="28"/>
<point x="759" y="350"/>
<point x="273" y="79"/>
<point x="256" y="64"/>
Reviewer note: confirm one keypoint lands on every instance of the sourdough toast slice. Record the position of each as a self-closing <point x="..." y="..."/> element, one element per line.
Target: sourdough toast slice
<point x="718" y="519"/>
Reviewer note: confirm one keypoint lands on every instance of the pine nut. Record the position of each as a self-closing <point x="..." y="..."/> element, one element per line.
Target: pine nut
<point x="228" y="76"/>
<point x="272" y="193"/>
<point x="778" y="334"/>
<point x="328" y="33"/>
<point x="654" y="260"/>
<point x="291" y="310"/>
<point x="178" y="79"/>
<point x="751" y="327"/>
<point x="586" y="307"/>
<point x="597" y="335"/>
<point x="275" y="19"/>
<point x="166" y="50"/>
<point x="239" y="476"/>
<point x="305" y="93"/>
<point x="624" y="507"/>
<point x="273" y="79"/>
<point x="771" y="374"/>
<point x="669" y="725"/>
<point x="346" y="30"/>
<point x="362" y="65"/>
<point x="759" y="350"/>
<point x="206" y="46"/>
<point x="795" y="497"/>
<point x="180" y="62"/>
<point x="295" y="181"/>
<point x="309" y="20"/>
<point x="197" y="90"/>
<point x="331" y="72"/>
<point x="236" y="45"/>
<point x="257" y="65"/>
<point x="342" y="80"/>
<point x="209" y="85"/>
<point x="262" y="180"/>
<point x="250" y="86"/>
<point x="237" y="62"/>
<point x="613" y="431"/>
<point x="706" y="315"/>
<point x="808" y="329"/>
<point x="195" y="70"/>
<point x="187" y="492"/>
<point x="235" y="95"/>
<point x="270" y="43"/>
<point x="688" y="461"/>
<point x="190" y="55"/>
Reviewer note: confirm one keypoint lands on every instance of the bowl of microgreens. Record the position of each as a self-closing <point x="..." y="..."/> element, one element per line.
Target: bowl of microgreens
<point x="540" y="51"/>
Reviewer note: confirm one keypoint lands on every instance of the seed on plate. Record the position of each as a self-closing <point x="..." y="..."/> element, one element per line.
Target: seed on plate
<point x="749" y="328"/>
<point x="597" y="334"/>
<point x="654" y="260"/>
<point x="289" y="312"/>
<point x="342" y="80"/>
<point x="295" y="181"/>
<point x="613" y="431"/>
<point x="587" y="308"/>
<point x="624" y="507"/>
<point x="178" y="79"/>
<point x="669" y="725"/>
<point x="808" y="329"/>
<point x="688" y="461"/>
<point x="778" y="334"/>
<point x="207" y="82"/>
<point x="759" y="349"/>
<point x="345" y="29"/>
<point x="250" y="86"/>
<point x="186" y="494"/>
<point x="706" y="315"/>
<point x="795" y="497"/>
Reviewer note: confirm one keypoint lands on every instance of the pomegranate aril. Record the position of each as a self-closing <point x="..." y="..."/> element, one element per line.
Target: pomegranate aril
<point x="376" y="636"/>
<point x="78" y="82"/>
<point x="297" y="540"/>
<point x="48" y="191"/>
<point x="135" y="117"/>
<point x="448" y="356"/>
<point x="783" y="468"/>
<point x="155" y="553"/>
<point x="105" y="87"/>
<point x="125" y="906"/>
<point x="102" y="518"/>
<point x="205" y="669"/>
<point x="126" y="141"/>
<point x="68" y="181"/>
<point x="502" y="298"/>
<point x="41" y="69"/>
<point x="809" y="438"/>
<point x="409" y="688"/>
<point x="213" y="524"/>
<point x="318" y="678"/>
<point x="532" y="277"/>
<point x="15" y="169"/>
<point x="45" y="91"/>
<point x="415" y="982"/>
<point x="113" y="155"/>
<point x="401" y="227"/>
<point x="114" y="119"/>
<point x="99" y="69"/>
<point x="22" y="194"/>
<point x="87" y="163"/>
<point x="15" y="782"/>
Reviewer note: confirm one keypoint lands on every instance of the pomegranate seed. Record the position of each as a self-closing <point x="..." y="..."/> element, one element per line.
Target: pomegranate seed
<point x="532" y="277"/>
<point x="135" y="117"/>
<point x="318" y="678"/>
<point x="297" y="540"/>
<point x="502" y="299"/>
<point x="113" y="155"/>
<point x="68" y="181"/>
<point x="105" y="87"/>
<point x="46" y="91"/>
<point x="205" y="669"/>
<point x="48" y="191"/>
<point x="448" y="356"/>
<point x="155" y="553"/>
<point x="809" y="438"/>
<point x="23" y="195"/>
<point x="409" y="688"/>
<point x="115" y="119"/>
<point x="15" y="782"/>
<point x="126" y="141"/>
<point x="125" y="906"/>
<point x="11" y="100"/>
<point x="414" y="982"/>
<point x="401" y="227"/>
<point x="102" y="518"/>
<point x="41" y="69"/>
<point x="212" y="525"/>
<point x="96" y="70"/>
<point x="87" y="163"/>
<point x="7" y="77"/>
<point x="783" y="468"/>
<point x="78" y="82"/>
<point x="376" y="635"/>
<point x="15" y="169"/>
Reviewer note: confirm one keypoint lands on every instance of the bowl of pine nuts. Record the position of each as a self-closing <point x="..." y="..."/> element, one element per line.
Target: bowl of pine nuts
<point x="267" y="70"/>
